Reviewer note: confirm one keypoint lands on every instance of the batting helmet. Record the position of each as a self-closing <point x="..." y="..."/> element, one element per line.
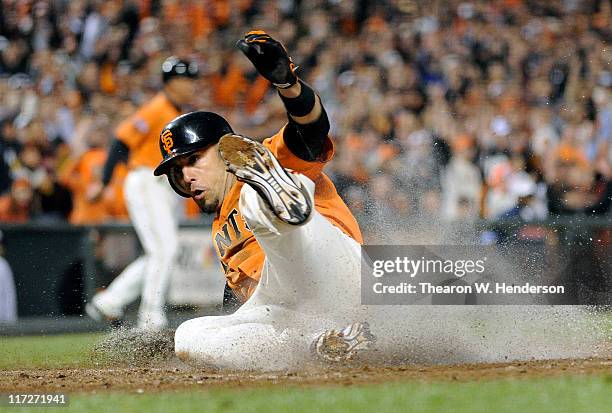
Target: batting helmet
<point x="184" y="135"/>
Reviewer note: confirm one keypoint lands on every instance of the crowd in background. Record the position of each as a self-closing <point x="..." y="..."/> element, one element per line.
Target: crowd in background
<point x="451" y="110"/>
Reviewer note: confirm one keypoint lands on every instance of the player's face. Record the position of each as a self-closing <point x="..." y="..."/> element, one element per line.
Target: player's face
<point x="203" y="176"/>
<point x="182" y="89"/>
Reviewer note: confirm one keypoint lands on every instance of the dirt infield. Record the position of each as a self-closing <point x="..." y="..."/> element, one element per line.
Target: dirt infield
<point x="176" y="376"/>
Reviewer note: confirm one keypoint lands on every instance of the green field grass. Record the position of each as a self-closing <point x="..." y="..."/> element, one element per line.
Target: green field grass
<point x="54" y="351"/>
<point x="572" y="395"/>
<point x="566" y="394"/>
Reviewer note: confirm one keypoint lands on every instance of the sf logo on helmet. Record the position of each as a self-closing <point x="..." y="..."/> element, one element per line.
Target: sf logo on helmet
<point x="166" y="138"/>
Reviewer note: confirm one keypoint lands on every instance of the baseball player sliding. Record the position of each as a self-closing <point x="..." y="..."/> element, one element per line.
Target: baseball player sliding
<point x="288" y="244"/>
<point x="149" y="201"/>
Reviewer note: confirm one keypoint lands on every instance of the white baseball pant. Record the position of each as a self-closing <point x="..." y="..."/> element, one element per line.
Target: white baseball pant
<point x="309" y="281"/>
<point x="151" y="205"/>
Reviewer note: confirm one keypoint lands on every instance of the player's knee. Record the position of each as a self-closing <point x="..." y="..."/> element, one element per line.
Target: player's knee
<point x="190" y="343"/>
<point x="183" y="344"/>
<point x="161" y="243"/>
<point x="169" y="250"/>
<point x="162" y="256"/>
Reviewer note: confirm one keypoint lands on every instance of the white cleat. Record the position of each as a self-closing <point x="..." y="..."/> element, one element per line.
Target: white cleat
<point x="100" y="310"/>
<point x="152" y="320"/>
<point x="255" y="164"/>
<point x="343" y="345"/>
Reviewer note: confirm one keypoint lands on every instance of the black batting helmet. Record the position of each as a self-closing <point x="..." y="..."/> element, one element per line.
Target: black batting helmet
<point x="176" y="67"/>
<point x="184" y="135"/>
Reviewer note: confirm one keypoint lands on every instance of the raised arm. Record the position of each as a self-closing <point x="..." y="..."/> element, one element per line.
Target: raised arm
<point x="306" y="132"/>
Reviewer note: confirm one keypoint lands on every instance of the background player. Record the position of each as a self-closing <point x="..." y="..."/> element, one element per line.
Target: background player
<point x="150" y="203"/>
<point x="287" y="242"/>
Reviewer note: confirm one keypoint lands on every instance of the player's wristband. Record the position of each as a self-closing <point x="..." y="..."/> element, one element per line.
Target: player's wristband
<point x="300" y="105"/>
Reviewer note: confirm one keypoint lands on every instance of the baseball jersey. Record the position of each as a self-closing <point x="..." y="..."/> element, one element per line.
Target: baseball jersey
<point x="240" y="255"/>
<point x="140" y="132"/>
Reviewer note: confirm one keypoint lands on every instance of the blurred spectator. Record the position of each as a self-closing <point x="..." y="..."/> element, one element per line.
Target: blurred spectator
<point x="80" y="176"/>
<point x="52" y="200"/>
<point x="16" y="206"/>
<point x="575" y="186"/>
<point x="461" y="182"/>
<point x="403" y="83"/>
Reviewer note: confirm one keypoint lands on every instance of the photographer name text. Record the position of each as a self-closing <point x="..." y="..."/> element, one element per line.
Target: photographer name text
<point x="477" y="287"/>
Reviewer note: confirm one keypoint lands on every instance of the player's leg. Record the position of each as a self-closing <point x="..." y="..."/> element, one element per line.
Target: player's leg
<point x="314" y="265"/>
<point x="308" y="260"/>
<point x="127" y="286"/>
<point x="315" y="268"/>
<point x="124" y="289"/>
<point x="157" y="228"/>
<point x="274" y="330"/>
<point x="311" y="265"/>
<point x="259" y="338"/>
<point x="150" y="206"/>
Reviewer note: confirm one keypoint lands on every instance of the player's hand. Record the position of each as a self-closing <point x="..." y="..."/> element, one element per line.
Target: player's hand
<point x="269" y="57"/>
<point x="94" y="192"/>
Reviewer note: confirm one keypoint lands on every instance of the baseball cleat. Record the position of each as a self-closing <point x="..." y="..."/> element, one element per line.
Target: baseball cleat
<point x="343" y="345"/>
<point x="96" y="314"/>
<point x="155" y="320"/>
<point x="255" y="164"/>
<point x="100" y="311"/>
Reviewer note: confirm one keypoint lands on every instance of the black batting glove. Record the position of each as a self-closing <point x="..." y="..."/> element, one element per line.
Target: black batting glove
<point x="269" y="57"/>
